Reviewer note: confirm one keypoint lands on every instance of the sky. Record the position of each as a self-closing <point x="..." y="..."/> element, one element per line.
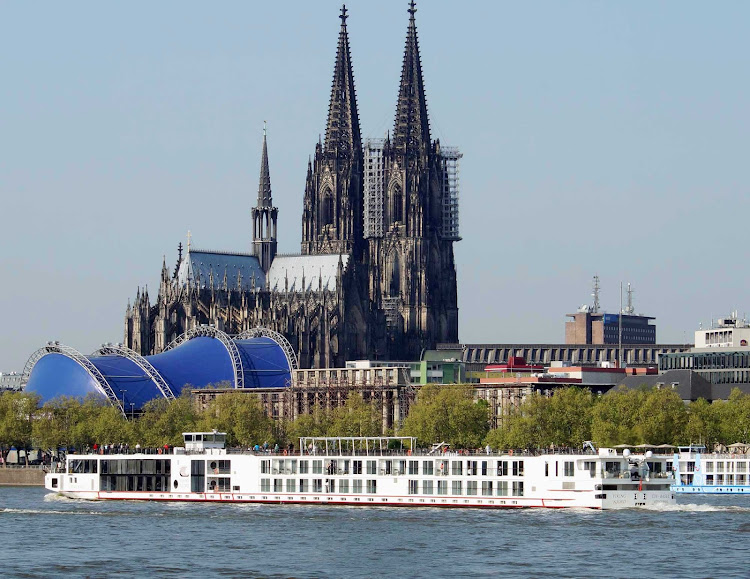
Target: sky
<point x="605" y="138"/>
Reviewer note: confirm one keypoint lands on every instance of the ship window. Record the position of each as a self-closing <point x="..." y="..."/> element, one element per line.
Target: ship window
<point x="413" y="467"/>
<point x="484" y="468"/>
<point x="471" y="487"/>
<point x="317" y="467"/>
<point x="442" y="487"/>
<point x="456" y="467"/>
<point x="427" y="487"/>
<point x="265" y="485"/>
<point x="471" y="467"/>
<point x="502" y="468"/>
<point x="357" y="486"/>
<point x="277" y="485"/>
<point x="427" y="467"/>
<point x="357" y="467"/>
<point x="546" y="469"/>
<point x="413" y="487"/>
<point x="456" y="487"/>
<point x="265" y="466"/>
<point x="487" y="488"/>
<point x="372" y="467"/>
<point x="303" y="485"/>
<point x="344" y="487"/>
<point x="303" y="466"/>
<point x="291" y="485"/>
<point x="502" y="488"/>
<point x="568" y="466"/>
<point x="517" y="488"/>
<point x="317" y="485"/>
<point x="372" y="487"/>
<point x="517" y="468"/>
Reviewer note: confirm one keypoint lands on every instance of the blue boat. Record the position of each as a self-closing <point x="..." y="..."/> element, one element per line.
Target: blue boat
<point x="721" y="473"/>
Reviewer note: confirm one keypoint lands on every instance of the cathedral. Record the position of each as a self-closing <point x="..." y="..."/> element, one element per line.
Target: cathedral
<point x="375" y="277"/>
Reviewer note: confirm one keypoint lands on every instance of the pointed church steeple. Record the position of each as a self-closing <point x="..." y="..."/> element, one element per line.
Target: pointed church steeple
<point x="412" y="127"/>
<point x="264" y="214"/>
<point x="342" y="129"/>
<point x="333" y="217"/>
<point x="264" y="186"/>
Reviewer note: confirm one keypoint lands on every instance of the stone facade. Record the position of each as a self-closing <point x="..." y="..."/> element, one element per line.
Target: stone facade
<point x="347" y="296"/>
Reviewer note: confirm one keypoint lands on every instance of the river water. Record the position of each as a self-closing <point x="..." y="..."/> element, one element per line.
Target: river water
<point x="44" y="535"/>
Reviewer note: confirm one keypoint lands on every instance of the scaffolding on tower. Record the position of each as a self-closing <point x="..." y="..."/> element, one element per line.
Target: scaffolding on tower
<point x="374" y="187"/>
<point x="450" y="157"/>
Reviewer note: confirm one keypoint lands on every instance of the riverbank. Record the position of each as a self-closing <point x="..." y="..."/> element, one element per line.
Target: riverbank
<point x="24" y="476"/>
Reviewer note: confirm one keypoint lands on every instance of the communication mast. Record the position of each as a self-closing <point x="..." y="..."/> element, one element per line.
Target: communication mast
<point x="595" y="295"/>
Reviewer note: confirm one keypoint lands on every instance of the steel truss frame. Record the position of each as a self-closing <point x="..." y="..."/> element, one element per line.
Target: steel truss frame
<point x="100" y="381"/>
<point x="231" y="347"/>
<point x="141" y="362"/>
<point x="258" y="332"/>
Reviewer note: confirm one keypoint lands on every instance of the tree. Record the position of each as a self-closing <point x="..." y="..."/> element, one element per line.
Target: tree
<point x="613" y="417"/>
<point x="318" y="423"/>
<point x="735" y="418"/>
<point x="449" y="414"/>
<point x="163" y="421"/>
<point x="660" y="417"/>
<point x="241" y="416"/>
<point x="16" y="418"/>
<point x="703" y="424"/>
<point x="356" y="418"/>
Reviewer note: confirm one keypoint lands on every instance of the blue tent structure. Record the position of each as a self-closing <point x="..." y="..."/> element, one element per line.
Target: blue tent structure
<point x="259" y="358"/>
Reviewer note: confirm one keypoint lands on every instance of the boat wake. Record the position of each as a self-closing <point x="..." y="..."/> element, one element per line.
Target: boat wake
<point x="47" y="512"/>
<point x="695" y="508"/>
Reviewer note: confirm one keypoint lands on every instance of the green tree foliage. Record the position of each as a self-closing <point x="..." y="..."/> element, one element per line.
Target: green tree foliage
<point x="614" y="417"/>
<point x="562" y="420"/>
<point x="447" y="413"/>
<point x="661" y="418"/>
<point x="241" y="416"/>
<point x="703" y="424"/>
<point x="17" y="410"/>
<point x="355" y="418"/>
<point x="734" y="416"/>
<point x="318" y="423"/>
<point x="163" y="421"/>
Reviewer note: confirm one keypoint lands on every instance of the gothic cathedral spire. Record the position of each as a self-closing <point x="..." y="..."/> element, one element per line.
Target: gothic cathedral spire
<point x="342" y="128"/>
<point x="412" y="127"/>
<point x="264" y="214"/>
<point x="332" y="218"/>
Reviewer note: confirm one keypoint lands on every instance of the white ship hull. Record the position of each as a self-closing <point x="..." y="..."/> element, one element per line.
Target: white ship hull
<point x="606" y="480"/>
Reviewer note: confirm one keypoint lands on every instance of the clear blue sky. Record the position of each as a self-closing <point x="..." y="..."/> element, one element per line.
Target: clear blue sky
<point x="598" y="137"/>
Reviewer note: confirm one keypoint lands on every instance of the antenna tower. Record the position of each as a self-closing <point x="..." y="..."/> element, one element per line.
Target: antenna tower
<point x="595" y="295"/>
<point x="630" y="309"/>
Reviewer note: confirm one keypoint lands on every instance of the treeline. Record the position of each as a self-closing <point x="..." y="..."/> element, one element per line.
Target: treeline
<point x="440" y="414"/>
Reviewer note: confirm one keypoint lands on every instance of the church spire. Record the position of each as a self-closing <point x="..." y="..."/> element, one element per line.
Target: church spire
<point x="412" y="128"/>
<point x="264" y="214"/>
<point x="264" y="186"/>
<point x="342" y="129"/>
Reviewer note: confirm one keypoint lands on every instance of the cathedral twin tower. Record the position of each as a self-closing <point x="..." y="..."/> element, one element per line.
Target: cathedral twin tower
<point x="376" y="277"/>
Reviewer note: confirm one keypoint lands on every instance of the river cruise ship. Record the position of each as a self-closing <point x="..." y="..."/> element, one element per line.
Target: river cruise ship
<point x="697" y="471"/>
<point x="379" y="471"/>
